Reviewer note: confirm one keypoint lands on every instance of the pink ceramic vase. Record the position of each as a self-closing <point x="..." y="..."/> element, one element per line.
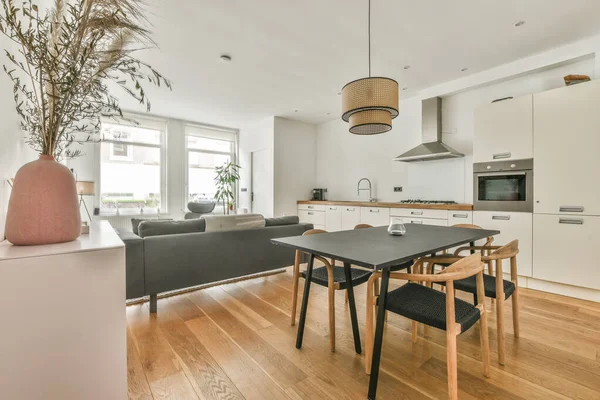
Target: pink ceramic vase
<point x="43" y="206"/>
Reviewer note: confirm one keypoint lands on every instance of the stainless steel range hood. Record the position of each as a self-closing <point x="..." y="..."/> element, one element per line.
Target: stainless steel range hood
<point x="432" y="147"/>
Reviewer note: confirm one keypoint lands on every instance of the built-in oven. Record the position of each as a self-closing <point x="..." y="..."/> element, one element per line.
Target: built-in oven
<point x="503" y="186"/>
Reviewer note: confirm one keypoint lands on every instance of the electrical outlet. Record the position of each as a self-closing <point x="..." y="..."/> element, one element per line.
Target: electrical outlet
<point x="397" y="188"/>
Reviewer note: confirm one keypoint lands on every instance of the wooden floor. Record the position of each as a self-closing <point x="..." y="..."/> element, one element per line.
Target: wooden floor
<point x="235" y="342"/>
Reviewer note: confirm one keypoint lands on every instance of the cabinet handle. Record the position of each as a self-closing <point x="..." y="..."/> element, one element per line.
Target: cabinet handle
<point x="460" y="215"/>
<point x="416" y="222"/>
<point x="333" y="208"/>
<point x="499" y="156"/>
<point x="416" y="213"/>
<point x="350" y="209"/>
<point x="501" y="217"/>
<point x="576" y="209"/>
<point x="311" y="207"/>
<point x="374" y="211"/>
<point x="570" y="221"/>
<point x="311" y="213"/>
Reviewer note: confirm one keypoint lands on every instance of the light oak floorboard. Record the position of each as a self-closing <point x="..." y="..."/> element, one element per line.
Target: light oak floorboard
<point x="235" y="342"/>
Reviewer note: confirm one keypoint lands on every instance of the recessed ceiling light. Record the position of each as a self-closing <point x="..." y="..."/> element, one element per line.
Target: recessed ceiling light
<point x="519" y="23"/>
<point x="407" y="67"/>
<point x="225" y="58"/>
<point x="464" y="69"/>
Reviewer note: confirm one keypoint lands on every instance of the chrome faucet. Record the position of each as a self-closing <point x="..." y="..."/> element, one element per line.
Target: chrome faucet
<point x="371" y="199"/>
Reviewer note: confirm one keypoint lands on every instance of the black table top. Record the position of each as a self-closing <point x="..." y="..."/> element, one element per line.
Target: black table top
<point x="375" y="248"/>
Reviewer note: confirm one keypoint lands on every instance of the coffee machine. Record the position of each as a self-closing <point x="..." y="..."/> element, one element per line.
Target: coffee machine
<point x="319" y="194"/>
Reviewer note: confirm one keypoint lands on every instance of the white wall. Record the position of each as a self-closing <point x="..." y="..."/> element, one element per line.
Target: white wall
<point x="295" y="173"/>
<point x="343" y="158"/>
<point x="256" y="136"/>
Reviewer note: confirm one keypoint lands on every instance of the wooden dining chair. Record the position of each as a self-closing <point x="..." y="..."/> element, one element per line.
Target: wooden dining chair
<point x="330" y="276"/>
<point x="496" y="287"/>
<point x="425" y="305"/>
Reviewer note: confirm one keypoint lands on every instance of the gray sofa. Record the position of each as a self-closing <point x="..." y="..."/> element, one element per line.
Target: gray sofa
<point x="160" y="260"/>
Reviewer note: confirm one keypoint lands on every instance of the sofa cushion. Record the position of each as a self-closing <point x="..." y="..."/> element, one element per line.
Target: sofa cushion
<point x="135" y="223"/>
<point x="158" y="228"/>
<point x="201" y="207"/>
<point x="222" y="223"/>
<point x="287" y="220"/>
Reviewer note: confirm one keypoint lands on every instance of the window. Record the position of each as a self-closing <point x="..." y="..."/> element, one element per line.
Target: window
<point x="132" y="168"/>
<point x="207" y="148"/>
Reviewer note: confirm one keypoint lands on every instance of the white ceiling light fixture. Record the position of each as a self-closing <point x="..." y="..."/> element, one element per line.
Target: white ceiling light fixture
<point x="370" y="104"/>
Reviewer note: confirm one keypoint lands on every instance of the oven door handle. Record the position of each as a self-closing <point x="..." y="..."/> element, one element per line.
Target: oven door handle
<point x="501" y="173"/>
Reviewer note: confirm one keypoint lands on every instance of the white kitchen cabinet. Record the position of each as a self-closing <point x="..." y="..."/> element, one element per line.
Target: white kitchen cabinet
<point x="375" y="216"/>
<point x="504" y="130"/>
<point x="512" y="225"/>
<point x="460" y="217"/>
<point x="350" y="217"/>
<point x="312" y="217"/>
<point x="565" y="249"/>
<point x="333" y="218"/>
<point x="566" y="143"/>
<point x="425" y="221"/>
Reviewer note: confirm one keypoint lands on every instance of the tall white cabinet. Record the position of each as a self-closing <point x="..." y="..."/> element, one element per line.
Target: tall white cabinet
<point x="504" y="130"/>
<point x="566" y="233"/>
<point x="566" y="150"/>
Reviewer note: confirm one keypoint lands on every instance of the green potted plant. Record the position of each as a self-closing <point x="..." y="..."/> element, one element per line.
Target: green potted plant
<point x="226" y="177"/>
<point x="65" y="58"/>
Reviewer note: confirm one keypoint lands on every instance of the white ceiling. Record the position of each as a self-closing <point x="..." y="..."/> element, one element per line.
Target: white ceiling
<point x="296" y="55"/>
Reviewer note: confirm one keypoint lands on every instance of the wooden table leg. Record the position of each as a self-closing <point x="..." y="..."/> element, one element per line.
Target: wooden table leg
<point x="385" y="279"/>
<point x="352" y="304"/>
<point x="302" y="321"/>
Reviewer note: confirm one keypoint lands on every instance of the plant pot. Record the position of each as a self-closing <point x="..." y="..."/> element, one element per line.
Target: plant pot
<point x="43" y="206"/>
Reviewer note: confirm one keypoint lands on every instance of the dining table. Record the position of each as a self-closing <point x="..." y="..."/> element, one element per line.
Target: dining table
<point x="376" y="249"/>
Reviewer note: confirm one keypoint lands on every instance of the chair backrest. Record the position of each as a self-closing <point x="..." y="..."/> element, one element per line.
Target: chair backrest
<point x="363" y="226"/>
<point x="313" y="232"/>
<point x="507" y="251"/>
<point x="489" y="240"/>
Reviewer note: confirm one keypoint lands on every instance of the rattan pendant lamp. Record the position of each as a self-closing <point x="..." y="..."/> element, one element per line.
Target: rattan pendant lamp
<point x="370" y="104"/>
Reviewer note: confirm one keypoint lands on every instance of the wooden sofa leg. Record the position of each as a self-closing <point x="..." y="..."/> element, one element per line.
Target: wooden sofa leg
<point x="153" y="303"/>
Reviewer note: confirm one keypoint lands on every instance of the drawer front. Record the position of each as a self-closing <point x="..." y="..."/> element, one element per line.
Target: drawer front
<point x="565" y="249"/>
<point x="425" y="221"/>
<point x="350" y="217"/>
<point x="311" y="207"/>
<point x="333" y="218"/>
<point x="376" y="216"/>
<point x="511" y="226"/>
<point x="312" y="217"/>
<point x="419" y="213"/>
<point x="460" y="217"/>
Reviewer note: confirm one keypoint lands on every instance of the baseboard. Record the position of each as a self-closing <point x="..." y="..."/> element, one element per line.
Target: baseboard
<point x="205" y="286"/>
<point x="558" y="288"/>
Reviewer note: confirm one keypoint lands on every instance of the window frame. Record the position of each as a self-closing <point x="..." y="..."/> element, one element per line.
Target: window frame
<point x="208" y="132"/>
<point x="157" y="124"/>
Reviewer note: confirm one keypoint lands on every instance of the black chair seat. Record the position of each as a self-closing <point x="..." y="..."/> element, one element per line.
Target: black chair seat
<point x="320" y="277"/>
<point x="489" y="282"/>
<point x="428" y="306"/>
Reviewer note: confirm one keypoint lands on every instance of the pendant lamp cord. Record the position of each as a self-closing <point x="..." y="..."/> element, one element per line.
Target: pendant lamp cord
<point x="369" y="38"/>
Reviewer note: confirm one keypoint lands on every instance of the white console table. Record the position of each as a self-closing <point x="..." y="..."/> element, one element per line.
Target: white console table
<point x="62" y="312"/>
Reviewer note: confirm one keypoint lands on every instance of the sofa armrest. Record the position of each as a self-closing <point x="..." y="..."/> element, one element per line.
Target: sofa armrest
<point x="134" y="264"/>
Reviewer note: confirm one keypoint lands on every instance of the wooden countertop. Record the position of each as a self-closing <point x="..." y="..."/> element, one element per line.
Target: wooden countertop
<point x="458" y="207"/>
